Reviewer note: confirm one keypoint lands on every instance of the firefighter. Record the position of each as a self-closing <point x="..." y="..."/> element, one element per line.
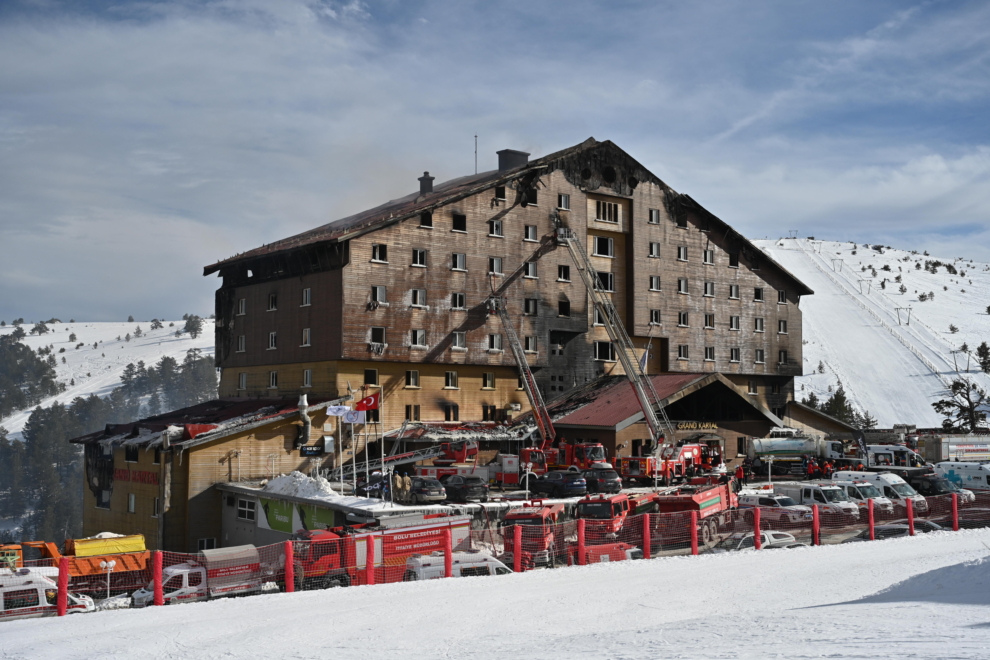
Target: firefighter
<point x="406" y="488"/>
<point x="741" y="474"/>
<point x="811" y="468"/>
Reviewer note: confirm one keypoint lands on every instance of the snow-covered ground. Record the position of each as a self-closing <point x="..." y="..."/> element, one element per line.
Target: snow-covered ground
<point x="922" y="597"/>
<point x="893" y="370"/>
<point x="97" y="370"/>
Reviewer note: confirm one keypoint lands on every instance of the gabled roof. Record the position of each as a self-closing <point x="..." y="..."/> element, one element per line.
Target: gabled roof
<point x="583" y="164"/>
<point x="610" y="402"/>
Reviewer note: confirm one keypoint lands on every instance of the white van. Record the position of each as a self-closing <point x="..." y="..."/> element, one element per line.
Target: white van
<point x="26" y="593"/>
<point x="469" y="563"/>
<point x="971" y="476"/>
<point x="779" y="508"/>
<point x="892" y="486"/>
<point x="861" y="492"/>
<point x="829" y="498"/>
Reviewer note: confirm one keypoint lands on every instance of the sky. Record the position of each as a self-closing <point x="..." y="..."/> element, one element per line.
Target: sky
<point x="141" y="141"/>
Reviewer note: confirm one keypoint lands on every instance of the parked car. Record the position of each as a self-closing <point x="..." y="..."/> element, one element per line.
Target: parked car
<point x="881" y="532"/>
<point x="464" y="488"/>
<point x="560" y="483"/>
<point x="769" y="540"/>
<point x="602" y="480"/>
<point x="778" y="509"/>
<point x="427" y="490"/>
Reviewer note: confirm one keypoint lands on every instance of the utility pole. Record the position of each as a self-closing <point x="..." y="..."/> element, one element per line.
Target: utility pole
<point x="836" y="265"/>
<point x="902" y="309"/>
<point x="868" y="284"/>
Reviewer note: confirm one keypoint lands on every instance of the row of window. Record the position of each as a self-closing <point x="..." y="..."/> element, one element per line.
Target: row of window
<point x="103" y="502"/>
<point x="273" y="341"/>
<point x="683" y="321"/>
<point x="417" y="339"/>
<point x="306" y="299"/>
<point x="735" y="354"/>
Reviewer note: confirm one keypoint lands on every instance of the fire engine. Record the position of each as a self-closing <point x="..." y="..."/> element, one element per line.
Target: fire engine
<point x="673" y="464"/>
<point x="338" y="557"/>
<point x="540" y="538"/>
<point x="605" y="515"/>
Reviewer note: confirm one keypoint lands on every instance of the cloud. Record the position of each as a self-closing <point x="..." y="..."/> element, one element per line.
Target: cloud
<point x="145" y="140"/>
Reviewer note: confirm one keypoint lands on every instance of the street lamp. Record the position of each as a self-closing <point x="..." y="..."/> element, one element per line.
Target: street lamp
<point x="108" y="566"/>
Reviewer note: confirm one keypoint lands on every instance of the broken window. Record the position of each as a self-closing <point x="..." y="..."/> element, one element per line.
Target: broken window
<point x="377" y="335"/>
<point x="605" y="281"/>
<point x="272" y="301"/>
<point x="457" y="301"/>
<point x="495" y="342"/>
<point x="426" y="219"/>
<point x="604" y="351"/>
<point x="606" y="211"/>
<point x="371" y="376"/>
<point x="758" y="294"/>
<point x="603" y="247"/>
<point x="563" y="273"/>
<point x="379" y="252"/>
<point x="459" y="222"/>
<point x="451" y="413"/>
<point x="530" y="306"/>
<point x="412" y="413"/>
<point x="563" y="308"/>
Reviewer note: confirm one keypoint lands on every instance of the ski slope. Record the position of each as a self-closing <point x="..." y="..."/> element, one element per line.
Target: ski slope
<point x="97" y="370"/>
<point x="921" y="597"/>
<point x="893" y="369"/>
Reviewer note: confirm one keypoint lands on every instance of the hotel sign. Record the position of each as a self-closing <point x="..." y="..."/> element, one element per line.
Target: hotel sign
<point x="697" y="426"/>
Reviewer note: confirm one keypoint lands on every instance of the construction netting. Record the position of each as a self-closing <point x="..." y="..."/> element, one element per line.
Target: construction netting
<point x="395" y="556"/>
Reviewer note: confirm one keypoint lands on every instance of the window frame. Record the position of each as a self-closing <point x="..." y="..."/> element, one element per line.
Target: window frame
<point x="379" y="294"/>
<point x="374" y="376"/>
<point x="242" y="380"/>
<point x="682" y="253"/>
<point x="307" y="378"/>
<point x="450" y="380"/>
<point x="760" y="356"/>
<point x="781" y="326"/>
<point x="458" y="219"/>
<point x="496" y="229"/>
<point x="654" y="252"/>
<point x="562" y="268"/>
<point x="529" y="234"/>
<point x="606" y="285"/>
<point x="682" y="286"/>
<point x="603" y="209"/>
<point x="709" y="353"/>
<point x="683" y="352"/>
<point x="734" y="322"/>
<point x="758" y="295"/>
<point x="758" y="324"/>
<point x="495" y="343"/>
<point x="654" y="217"/>
<point x="459" y="336"/>
<point x="241" y="307"/>
<point x="307" y="337"/>
<point x="709" y="290"/>
<point x="418" y="298"/>
<point x="412" y="379"/>
<point x="531" y="270"/>
<point x="454" y="300"/>
<point x="495" y="266"/>
<point x="734" y="354"/>
<point x="272" y="302"/>
<point x="241" y="344"/>
<point x="708" y="257"/>
<point x="710" y="321"/>
<point x="564" y="201"/>
<point x="273" y="380"/>
<point x="272" y="340"/>
<point x="378" y="251"/>
<point x="382" y="330"/>
<point x="458" y="261"/>
<point x="488" y="380"/>
<point x="683" y="319"/>
<point x="598" y="350"/>
<point x="531" y="306"/>
<point x="247" y="513"/>
<point x="608" y="242"/>
<point x="733" y="289"/>
<point x="416" y="334"/>
<point x="655" y="317"/>
<point x="419" y="255"/>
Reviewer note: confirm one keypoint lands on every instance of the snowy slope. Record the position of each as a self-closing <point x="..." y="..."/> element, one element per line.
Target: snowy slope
<point x="895" y="371"/>
<point x="97" y="370"/>
<point x="922" y="597"/>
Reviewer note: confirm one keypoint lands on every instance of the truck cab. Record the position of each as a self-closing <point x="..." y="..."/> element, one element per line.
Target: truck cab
<point x="539" y="538"/>
<point x="581" y="455"/>
<point x="606" y="514"/>
<point x="932" y="485"/>
<point x="829" y="498"/>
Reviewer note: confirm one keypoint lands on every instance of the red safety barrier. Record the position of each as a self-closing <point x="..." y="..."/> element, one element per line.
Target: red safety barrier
<point x="448" y="554"/>
<point x="290" y="568"/>
<point x="871" y="519"/>
<point x="156" y="578"/>
<point x="645" y="541"/>
<point x="694" y="532"/>
<point x="955" y="512"/>
<point x="581" y="528"/>
<point x="62" y="599"/>
<point x="517" y="547"/>
<point x="757" y="534"/>
<point x="910" y="515"/>
<point x="816" y="526"/>
<point x="369" y="567"/>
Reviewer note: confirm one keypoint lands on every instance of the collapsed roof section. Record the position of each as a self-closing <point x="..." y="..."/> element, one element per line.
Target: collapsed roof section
<point x="204" y="422"/>
<point x="590" y="165"/>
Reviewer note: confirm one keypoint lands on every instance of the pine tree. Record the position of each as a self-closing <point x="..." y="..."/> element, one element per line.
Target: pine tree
<point x="983" y="355"/>
<point x="194" y="326"/>
<point x="811" y="401"/>
<point x="838" y="406"/>
<point x="130" y="319"/>
<point x="154" y="404"/>
<point x="137" y="331"/>
<point x="964" y="410"/>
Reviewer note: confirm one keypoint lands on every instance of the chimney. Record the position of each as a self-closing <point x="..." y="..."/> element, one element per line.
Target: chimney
<point x="509" y="159"/>
<point x="426" y="183"/>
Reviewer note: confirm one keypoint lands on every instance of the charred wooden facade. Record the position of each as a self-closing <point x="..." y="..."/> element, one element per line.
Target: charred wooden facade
<point x="395" y="297"/>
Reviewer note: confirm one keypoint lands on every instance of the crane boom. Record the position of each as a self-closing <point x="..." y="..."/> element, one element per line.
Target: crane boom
<point x="649" y="400"/>
<point x="497" y="304"/>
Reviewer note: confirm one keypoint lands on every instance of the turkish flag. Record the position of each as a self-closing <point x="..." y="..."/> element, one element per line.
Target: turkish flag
<point x="369" y="402"/>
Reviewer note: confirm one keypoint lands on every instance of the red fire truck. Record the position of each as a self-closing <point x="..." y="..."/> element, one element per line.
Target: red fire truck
<point x="712" y="501"/>
<point x="505" y="469"/>
<point x="540" y="535"/>
<point x="579" y="454"/>
<point x="605" y="515"/>
<point x="674" y="464"/>
<point x="338" y="557"/>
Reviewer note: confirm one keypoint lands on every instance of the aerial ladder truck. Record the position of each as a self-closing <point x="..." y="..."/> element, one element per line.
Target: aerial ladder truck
<point x="661" y="430"/>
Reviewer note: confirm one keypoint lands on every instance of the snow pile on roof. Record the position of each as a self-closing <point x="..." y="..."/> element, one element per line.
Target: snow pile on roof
<point x="298" y="484"/>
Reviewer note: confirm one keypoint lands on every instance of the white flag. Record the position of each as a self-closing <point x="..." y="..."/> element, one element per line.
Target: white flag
<point x="353" y="417"/>
<point x="337" y="411"/>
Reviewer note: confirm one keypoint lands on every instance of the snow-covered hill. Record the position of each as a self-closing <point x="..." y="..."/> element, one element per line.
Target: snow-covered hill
<point x="97" y="370"/>
<point x="855" y="328"/>
<point x="921" y="597"/>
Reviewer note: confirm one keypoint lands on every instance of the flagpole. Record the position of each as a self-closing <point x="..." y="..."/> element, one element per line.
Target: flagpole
<point x="353" y="461"/>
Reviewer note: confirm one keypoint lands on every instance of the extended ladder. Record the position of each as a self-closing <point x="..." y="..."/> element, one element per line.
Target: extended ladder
<point x="497" y="304"/>
<point x="649" y="400"/>
<point x="348" y="471"/>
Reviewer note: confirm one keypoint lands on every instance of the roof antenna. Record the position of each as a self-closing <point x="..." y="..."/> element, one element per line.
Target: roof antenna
<point x="475" y="154"/>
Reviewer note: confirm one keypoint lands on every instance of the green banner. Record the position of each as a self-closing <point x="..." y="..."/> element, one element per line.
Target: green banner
<point x="278" y="515"/>
<point x="314" y="517"/>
